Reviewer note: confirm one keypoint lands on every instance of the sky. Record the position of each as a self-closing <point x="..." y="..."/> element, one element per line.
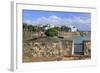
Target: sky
<point x="80" y="20"/>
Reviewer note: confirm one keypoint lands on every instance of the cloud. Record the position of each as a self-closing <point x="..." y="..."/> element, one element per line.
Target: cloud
<point x="55" y="17"/>
<point x="48" y="20"/>
<point x="28" y="21"/>
<point x="80" y="22"/>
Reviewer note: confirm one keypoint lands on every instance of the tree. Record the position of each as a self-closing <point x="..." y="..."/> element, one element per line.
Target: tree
<point x="25" y="26"/>
<point x="65" y="28"/>
<point x="51" y="32"/>
<point x="57" y="28"/>
<point x="30" y="27"/>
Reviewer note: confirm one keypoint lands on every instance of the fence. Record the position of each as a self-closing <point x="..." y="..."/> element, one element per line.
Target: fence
<point x="78" y="49"/>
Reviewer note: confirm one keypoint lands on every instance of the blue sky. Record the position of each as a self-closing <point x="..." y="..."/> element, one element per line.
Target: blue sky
<point x="82" y="21"/>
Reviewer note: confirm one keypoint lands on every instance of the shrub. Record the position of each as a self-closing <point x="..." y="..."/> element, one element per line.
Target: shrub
<point x="51" y="32"/>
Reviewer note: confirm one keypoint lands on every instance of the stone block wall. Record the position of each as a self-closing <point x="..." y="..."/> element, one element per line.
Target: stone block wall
<point x="87" y="48"/>
<point x="51" y="48"/>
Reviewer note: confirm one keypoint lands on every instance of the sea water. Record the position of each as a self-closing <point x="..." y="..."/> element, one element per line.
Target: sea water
<point x="78" y="49"/>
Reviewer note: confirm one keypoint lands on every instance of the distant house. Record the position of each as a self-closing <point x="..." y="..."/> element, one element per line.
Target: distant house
<point x="63" y="28"/>
<point x="69" y="28"/>
<point x="48" y="26"/>
<point x="73" y="29"/>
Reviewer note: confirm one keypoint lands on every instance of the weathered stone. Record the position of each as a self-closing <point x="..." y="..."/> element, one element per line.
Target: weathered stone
<point x="87" y="48"/>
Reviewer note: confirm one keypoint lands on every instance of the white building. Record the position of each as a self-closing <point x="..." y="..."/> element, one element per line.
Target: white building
<point x="48" y="26"/>
<point x="73" y="29"/>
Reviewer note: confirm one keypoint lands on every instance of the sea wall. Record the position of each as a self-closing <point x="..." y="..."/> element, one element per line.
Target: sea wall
<point x="47" y="49"/>
<point x="71" y="34"/>
<point x="31" y="34"/>
<point x="87" y="48"/>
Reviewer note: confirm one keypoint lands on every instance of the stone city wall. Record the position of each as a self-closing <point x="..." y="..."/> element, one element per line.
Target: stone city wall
<point x="47" y="49"/>
<point x="87" y="48"/>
